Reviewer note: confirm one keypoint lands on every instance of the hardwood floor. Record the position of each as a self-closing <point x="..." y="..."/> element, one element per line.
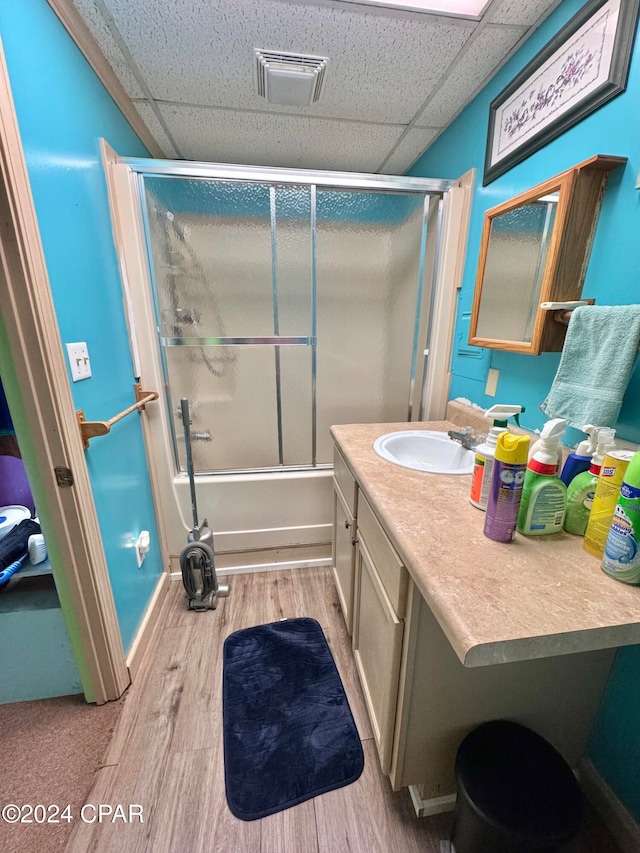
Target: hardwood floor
<point x="166" y="752"/>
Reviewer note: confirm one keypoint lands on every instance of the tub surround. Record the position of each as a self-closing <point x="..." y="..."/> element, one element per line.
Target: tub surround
<point x="535" y="597"/>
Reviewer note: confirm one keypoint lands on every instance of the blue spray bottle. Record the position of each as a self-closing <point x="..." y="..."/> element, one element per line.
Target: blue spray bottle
<point x="580" y="459"/>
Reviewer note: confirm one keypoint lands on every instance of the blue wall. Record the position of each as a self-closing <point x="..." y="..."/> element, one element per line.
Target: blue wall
<point x="63" y="110"/>
<point x="613" y="277"/>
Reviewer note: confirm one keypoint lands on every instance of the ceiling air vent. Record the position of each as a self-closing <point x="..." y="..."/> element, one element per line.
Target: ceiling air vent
<point x="294" y="79"/>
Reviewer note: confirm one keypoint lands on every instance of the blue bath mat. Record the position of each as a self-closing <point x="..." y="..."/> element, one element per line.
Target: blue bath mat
<point x="289" y="734"/>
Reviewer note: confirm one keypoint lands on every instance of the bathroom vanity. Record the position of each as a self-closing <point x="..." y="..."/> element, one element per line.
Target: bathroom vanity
<point x="450" y="629"/>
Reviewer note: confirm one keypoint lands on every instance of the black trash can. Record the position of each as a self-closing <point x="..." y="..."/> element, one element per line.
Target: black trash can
<point x="516" y="793"/>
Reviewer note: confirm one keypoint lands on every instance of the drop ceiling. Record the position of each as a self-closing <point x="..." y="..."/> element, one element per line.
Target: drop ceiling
<point x="394" y="81"/>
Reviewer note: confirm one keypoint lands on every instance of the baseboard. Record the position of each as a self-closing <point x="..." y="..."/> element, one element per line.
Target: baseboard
<point x="272" y="559"/>
<point x="261" y="539"/>
<point x="264" y="567"/>
<point x="435" y="805"/>
<point x="149" y="621"/>
<point x="615" y="816"/>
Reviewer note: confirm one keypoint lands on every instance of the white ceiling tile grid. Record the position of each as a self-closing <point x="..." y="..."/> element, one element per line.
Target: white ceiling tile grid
<point x="468" y="76"/>
<point x="380" y="68"/>
<point x="518" y="12"/>
<point x="99" y="29"/>
<point x="156" y="128"/>
<point x="395" y="78"/>
<point x="227" y="136"/>
<point x="408" y="150"/>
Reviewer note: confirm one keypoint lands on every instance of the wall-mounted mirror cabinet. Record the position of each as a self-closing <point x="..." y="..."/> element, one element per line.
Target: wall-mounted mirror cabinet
<point x="535" y="248"/>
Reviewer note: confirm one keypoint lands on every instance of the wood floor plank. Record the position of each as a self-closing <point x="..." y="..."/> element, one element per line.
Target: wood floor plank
<point x="255" y="599"/>
<point x="155" y="676"/>
<point x="316" y="596"/>
<point x="199" y="719"/>
<point x="88" y="836"/>
<point x="290" y="831"/>
<point x="368" y="817"/>
<point x="175" y="610"/>
<point x="144" y="746"/>
<point x="191" y="813"/>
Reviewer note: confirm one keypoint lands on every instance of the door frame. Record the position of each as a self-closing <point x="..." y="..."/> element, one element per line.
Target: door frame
<point x="434" y="380"/>
<point x="41" y="404"/>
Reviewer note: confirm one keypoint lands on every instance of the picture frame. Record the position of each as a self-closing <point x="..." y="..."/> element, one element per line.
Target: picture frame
<point x="580" y="69"/>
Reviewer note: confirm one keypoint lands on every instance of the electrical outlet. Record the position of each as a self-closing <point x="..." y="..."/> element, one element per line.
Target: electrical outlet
<point x="142" y="546"/>
<point x="492" y="382"/>
<point x="78" y="355"/>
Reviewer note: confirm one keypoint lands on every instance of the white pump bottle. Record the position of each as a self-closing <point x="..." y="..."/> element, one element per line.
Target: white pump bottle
<point x="485" y="454"/>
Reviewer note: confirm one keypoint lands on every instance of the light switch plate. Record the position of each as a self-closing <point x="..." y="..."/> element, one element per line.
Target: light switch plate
<point x="492" y="382"/>
<point x="78" y="355"/>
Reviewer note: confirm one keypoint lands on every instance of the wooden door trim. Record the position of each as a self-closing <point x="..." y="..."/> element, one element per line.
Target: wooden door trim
<point x="50" y="433"/>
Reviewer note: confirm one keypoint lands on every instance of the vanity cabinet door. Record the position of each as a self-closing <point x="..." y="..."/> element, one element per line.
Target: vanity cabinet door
<point x="343" y="554"/>
<point x="377" y="647"/>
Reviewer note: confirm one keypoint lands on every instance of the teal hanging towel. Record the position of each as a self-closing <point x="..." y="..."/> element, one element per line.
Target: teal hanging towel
<point x="595" y="366"/>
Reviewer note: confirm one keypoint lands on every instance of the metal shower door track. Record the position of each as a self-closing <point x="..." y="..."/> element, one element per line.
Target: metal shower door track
<point x="274" y="341"/>
<point x="267" y="174"/>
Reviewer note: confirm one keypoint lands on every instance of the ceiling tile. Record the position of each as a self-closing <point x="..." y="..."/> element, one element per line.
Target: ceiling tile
<point x="226" y="136"/>
<point x="156" y="129"/>
<point x="517" y="12"/>
<point x="408" y="151"/>
<point x="382" y="66"/>
<point x="481" y="60"/>
<point x="101" y="33"/>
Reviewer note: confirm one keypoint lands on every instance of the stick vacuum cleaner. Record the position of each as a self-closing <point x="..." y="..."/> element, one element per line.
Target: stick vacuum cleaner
<point x="196" y="558"/>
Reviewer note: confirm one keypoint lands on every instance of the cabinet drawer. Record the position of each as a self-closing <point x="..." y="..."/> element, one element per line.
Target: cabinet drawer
<point x="377" y="650"/>
<point x="344" y="478"/>
<point x="393" y="575"/>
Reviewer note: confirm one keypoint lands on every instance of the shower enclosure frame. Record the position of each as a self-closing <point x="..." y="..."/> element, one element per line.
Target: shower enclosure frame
<point x="432" y="191"/>
<point x="282" y="518"/>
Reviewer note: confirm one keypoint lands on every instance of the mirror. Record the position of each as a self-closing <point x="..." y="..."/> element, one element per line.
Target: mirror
<point x="516" y="260"/>
<point x="535" y="248"/>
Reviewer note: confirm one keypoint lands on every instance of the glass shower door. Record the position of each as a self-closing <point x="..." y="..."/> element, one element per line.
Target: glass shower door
<point x="281" y="310"/>
<point x="369" y="272"/>
<point x="230" y="264"/>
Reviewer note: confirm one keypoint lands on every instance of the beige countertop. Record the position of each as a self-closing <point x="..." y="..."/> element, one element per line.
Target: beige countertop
<point x="535" y="597"/>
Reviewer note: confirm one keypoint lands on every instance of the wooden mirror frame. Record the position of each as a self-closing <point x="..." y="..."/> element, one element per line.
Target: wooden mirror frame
<point x="580" y="195"/>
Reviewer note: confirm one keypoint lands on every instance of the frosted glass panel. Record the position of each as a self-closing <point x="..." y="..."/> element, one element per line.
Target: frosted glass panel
<point x="240" y="415"/>
<point x="514" y="270"/>
<point x="367" y="271"/>
<point x="211" y="257"/>
<point x="236" y="260"/>
<point x="292" y="246"/>
<point x="295" y="369"/>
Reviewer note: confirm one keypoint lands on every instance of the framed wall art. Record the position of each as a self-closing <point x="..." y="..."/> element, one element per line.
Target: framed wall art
<point x="583" y="66"/>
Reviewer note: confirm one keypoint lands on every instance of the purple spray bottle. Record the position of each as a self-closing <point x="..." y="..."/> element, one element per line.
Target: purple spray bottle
<point x="505" y="492"/>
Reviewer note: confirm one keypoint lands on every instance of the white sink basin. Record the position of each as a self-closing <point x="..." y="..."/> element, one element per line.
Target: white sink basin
<point x="425" y="450"/>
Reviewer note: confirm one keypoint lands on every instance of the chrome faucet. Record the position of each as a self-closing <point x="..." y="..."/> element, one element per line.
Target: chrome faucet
<point x="466" y="436"/>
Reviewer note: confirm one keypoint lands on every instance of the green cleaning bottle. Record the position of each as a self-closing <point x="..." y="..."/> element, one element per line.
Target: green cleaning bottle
<point x="544" y="496"/>
<point x="582" y="488"/>
<point x="621" y="557"/>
